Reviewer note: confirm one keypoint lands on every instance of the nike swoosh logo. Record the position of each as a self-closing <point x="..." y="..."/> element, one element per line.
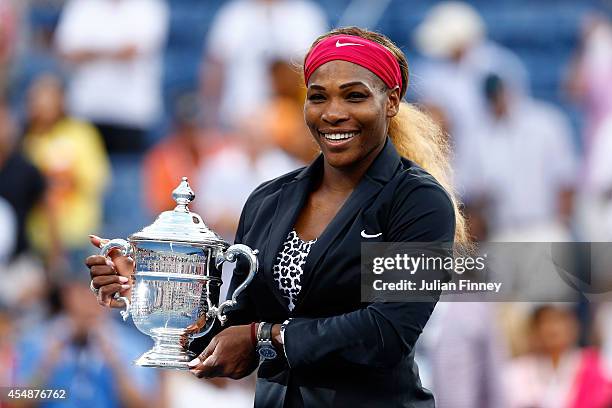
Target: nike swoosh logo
<point x="363" y="234"/>
<point x="339" y="44"/>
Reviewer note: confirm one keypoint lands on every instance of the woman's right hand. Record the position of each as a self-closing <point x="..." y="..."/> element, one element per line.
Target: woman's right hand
<point x="110" y="276"/>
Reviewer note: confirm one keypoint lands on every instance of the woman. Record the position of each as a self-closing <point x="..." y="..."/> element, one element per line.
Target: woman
<point x="557" y="373"/>
<point x="331" y="349"/>
<point x="70" y="154"/>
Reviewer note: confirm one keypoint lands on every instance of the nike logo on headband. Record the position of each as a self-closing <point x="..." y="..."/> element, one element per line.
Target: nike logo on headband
<point x="339" y="44"/>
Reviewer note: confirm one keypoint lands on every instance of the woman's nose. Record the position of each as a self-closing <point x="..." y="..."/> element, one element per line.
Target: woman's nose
<point x="334" y="114"/>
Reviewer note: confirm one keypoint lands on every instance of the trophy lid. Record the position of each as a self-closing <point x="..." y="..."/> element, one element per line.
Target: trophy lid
<point x="180" y="224"/>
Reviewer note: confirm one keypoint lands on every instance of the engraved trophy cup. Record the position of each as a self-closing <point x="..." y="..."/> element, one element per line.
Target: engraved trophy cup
<point x="177" y="280"/>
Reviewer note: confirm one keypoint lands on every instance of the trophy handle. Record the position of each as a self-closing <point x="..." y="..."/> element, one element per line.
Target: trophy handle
<point x="230" y="255"/>
<point x="126" y="250"/>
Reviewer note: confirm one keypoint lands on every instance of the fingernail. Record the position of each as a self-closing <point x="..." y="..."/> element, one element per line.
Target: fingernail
<point x="193" y="362"/>
<point x="123" y="279"/>
<point x="124" y="287"/>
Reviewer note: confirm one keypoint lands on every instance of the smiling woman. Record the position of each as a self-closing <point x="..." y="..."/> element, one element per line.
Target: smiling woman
<point x="382" y="176"/>
<point x="380" y="68"/>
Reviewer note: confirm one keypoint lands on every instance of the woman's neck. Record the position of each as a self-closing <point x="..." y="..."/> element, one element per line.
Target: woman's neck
<point x="344" y="180"/>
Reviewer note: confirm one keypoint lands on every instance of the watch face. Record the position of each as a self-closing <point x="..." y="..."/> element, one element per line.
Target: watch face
<point x="267" y="352"/>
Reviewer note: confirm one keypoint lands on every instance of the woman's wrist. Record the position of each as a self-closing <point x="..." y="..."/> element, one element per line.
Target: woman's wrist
<point x="277" y="339"/>
<point x="254" y="328"/>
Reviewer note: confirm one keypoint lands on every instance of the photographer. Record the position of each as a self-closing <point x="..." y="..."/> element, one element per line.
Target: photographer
<point x="81" y="350"/>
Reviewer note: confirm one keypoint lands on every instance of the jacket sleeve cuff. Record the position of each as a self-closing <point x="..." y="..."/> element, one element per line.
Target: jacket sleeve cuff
<point x="283" y="338"/>
<point x="308" y="341"/>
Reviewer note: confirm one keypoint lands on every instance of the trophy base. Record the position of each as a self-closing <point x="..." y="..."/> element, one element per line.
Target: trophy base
<point x="167" y="353"/>
<point x="150" y="359"/>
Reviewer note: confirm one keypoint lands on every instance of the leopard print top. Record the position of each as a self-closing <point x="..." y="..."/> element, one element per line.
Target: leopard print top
<point x="288" y="266"/>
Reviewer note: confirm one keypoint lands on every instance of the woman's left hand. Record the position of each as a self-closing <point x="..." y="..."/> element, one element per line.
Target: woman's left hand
<point x="229" y="354"/>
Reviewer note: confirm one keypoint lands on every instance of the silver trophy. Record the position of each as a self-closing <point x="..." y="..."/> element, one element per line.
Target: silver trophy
<point x="177" y="280"/>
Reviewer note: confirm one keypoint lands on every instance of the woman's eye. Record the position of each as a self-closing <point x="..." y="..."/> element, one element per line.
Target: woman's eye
<point x="316" y="97"/>
<point x="357" y="95"/>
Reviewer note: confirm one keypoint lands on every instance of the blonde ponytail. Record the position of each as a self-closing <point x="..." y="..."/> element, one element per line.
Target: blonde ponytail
<point x="419" y="139"/>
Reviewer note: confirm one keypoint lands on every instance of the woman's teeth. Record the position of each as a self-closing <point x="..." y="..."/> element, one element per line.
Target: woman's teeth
<point x="339" y="136"/>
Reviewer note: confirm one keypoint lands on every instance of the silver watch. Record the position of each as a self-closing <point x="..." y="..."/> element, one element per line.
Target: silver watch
<point x="265" y="348"/>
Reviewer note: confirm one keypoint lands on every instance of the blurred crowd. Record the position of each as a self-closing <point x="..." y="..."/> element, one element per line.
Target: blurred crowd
<point x="526" y="172"/>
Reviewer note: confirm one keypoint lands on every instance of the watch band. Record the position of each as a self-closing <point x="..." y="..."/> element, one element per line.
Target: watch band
<point x="265" y="332"/>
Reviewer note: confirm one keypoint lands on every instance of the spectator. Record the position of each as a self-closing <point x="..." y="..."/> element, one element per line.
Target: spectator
<point x="71" y="155"/>
<point x="589" y="80"/>
<point x="598" y="217"/>
<point x="178" y="155"/>
<point x="523" y="166"/>
<point x="589" y="83"/>
<point x="84" y="352"/>
<point x="453" y="37"/>
<point x="467" y="354"/>
<point x="21" y="184"/>
<point x="282" y="119"/>
<point x="22" y="187"/>
<point x="557" y="373"/>
<point x="245" y="37"/>
<point x="115" y="49"/>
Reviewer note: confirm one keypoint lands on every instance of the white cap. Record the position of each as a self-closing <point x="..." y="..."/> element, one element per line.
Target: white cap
<point x="447" y="27"/>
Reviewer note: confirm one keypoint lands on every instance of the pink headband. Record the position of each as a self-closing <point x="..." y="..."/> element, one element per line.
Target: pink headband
<point x="357" y="50"/>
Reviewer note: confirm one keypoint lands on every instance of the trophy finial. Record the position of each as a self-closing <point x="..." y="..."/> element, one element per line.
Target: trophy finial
<point x="183" y="195"/>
